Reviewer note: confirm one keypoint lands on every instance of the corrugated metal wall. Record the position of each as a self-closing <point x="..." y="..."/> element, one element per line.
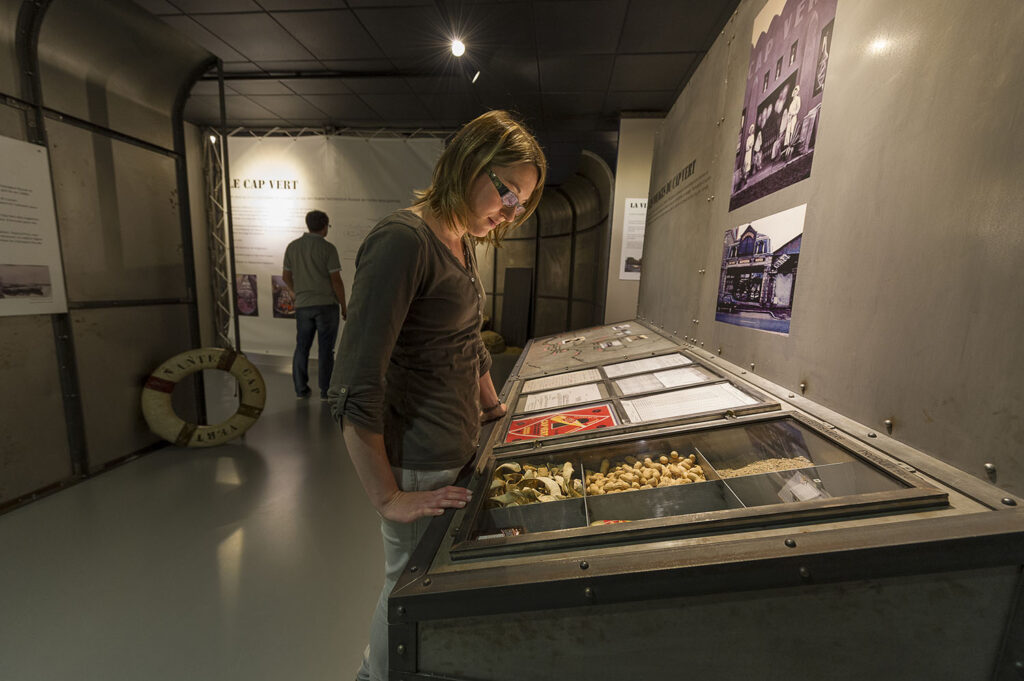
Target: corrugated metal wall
<point x="69" y="384"/>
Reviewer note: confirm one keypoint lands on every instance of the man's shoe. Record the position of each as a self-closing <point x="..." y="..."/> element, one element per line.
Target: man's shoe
<point x="302" y="396"/>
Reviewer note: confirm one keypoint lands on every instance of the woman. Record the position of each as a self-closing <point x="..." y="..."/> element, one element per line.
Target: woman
<point x="411" y="383"/>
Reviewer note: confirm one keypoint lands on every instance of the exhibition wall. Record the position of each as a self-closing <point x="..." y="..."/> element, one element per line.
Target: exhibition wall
<point x="835" y="206"/>
<point x="632" y="180"/>
<point x="108" y="125"/>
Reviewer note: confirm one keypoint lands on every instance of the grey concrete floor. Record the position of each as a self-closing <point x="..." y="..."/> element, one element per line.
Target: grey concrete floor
<point x="259" y="559"/>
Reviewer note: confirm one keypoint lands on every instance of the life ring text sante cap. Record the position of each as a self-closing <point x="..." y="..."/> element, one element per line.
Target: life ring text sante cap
<point x="159" y="412"/>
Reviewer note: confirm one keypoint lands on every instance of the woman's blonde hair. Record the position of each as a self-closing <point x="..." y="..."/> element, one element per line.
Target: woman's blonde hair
<point x="495" y="138"/>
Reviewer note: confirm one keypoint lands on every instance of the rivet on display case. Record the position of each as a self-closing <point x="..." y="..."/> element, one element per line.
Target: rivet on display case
<point x="804" y="573"/>
<point x="401" y="610"/>
<point x="426" y="582"/>
<point x="791" y="543"/>
<point x="872" y="435"/>
<point x="803" y="388"/>
<point x="400" y="649"/>
<point x="413" y="569"/>
<point x="888" y="425"/>
<point x="719" y="350"/>
<point x="1008" y="501"/>
<point x="990" y="469"/>
<point x="588" y="592"/>
<point x="751" y="366"/>
<point x="584" y="565"/>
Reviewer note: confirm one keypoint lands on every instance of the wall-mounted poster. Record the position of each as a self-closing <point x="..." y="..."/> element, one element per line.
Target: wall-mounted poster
<point x="248" y="295"/>
<point x="31" y="276"/>
<point x="284" y="300"/>
<point x="758" y="278"/>
<point x="633" y="225"/>
<point x="789" y="56"/>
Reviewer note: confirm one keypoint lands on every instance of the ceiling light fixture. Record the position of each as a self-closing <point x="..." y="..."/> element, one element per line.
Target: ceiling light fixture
<point x="213" y="139"/>
<point x="475" y="76"/>
<point x="458" y="48"/>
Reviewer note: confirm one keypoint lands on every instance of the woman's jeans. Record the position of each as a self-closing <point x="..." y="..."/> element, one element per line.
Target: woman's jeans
<point x="321" y="321"/>
<point x="400" y="539"/>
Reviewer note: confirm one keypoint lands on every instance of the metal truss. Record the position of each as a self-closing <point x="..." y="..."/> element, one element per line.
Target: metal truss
<point x="220" y="251"/>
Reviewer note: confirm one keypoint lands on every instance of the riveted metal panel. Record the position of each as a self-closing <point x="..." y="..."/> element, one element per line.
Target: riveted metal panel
<point x="117" y="209"/>
<point x="554" y="214"/>
<point x="588" y="268"/>
<point x="831" y="632"/>
<point x="117" y="349"/>
<point x="10" y="81"/>
<point x="553" y="267"/>
<point x="12" y="122"/>
<point x="115" y="65"/>
<point x="33" y="441"/>
<point x="550" y="316"/>
<point x="583" y="196"/>
<point x="905" y="308"/>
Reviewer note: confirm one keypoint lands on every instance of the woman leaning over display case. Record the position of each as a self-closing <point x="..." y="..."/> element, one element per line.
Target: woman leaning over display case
<point x="412" y="379"/>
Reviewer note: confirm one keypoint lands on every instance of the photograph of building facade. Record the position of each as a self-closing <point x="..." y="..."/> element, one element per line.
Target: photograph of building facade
<point x="789" y="58"/>
<point x="756" y="284"/>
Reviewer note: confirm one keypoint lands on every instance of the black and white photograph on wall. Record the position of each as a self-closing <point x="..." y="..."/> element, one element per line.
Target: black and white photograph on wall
<point x="757" y="281"/>
<point x="247" y="303"/>
<point x="790" y="46"/>
<point x="25" y="281"/>
<point x="284" y="300"/>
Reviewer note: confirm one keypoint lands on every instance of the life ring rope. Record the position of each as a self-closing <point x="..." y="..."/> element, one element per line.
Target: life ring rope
<point x="159" y="412"/>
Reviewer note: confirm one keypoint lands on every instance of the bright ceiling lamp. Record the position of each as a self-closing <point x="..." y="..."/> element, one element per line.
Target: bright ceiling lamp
<point x="458" y="49"/>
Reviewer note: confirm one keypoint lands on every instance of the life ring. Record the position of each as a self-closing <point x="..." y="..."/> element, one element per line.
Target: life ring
<point x="159" y="413"/>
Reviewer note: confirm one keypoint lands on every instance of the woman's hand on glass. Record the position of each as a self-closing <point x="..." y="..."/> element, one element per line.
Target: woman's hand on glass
<point x="405" y="507"/>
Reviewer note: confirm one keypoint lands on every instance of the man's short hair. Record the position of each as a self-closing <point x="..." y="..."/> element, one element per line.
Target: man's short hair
<point x="316" y="220"/>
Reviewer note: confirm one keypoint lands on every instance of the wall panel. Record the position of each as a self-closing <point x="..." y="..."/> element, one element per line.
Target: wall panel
<point x="33" y="440"/>
<point x="117" y="208"/>
<point x="905" y="306"/>
<point x="10" y="82"/>
<point x="118" y="348"/>
<point x="12" y="122"/>
<point x="85" y="72"/>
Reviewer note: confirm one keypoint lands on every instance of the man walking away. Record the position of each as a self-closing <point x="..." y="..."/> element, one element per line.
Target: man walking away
<point x="312" y="271"/>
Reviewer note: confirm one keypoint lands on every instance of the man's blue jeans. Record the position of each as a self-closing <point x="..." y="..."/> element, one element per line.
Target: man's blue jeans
<point x="321" y="321"/>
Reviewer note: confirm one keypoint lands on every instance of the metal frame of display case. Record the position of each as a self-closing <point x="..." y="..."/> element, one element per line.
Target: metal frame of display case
<point x="881" y="536"/>
<point x="917" y="494"/>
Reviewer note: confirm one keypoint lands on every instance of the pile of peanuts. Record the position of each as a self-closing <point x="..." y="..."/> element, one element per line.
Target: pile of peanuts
<point x="635" y="474"/>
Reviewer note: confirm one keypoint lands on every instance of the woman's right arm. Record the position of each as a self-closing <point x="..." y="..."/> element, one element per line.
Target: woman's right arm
<point x="366" y="449"/>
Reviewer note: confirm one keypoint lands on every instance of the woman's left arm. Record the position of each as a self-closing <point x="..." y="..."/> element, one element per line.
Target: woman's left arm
<point x="491" y="408"/>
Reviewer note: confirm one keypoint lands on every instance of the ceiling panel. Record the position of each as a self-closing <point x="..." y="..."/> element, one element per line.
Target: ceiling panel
<point x="677" y="26"/>
<point x="330" y="34"/>
<point x="650" y="71"/>
<point x="257" y="36"/>
<point x="567" y="67"/>
<point x="214" y="6"/>
<point x="579" y="26"/>
<point x="574" y="104"/>
<point x="397" y="107"/>
<point x="191" y="29"/>
<point x="406" y="31"/>
<point x="380" y="85"/>
<point x="256" y="87"/>
<point x="273" y="5"/>
<point x="287" y="106"/>
<point x="290" y="65"/>
<point x="343" y="106"/>
<point x="576" y="73"/>
<point x="617" y="102"/>
<point x="315" y="86"/>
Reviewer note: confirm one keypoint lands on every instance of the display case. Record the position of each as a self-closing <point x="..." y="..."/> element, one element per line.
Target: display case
<point x="680" y="494"/>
